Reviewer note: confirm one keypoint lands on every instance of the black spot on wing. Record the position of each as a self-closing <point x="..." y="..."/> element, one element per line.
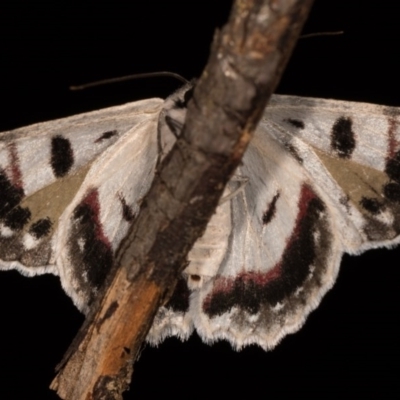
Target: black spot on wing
<point x="40" y="228"/>
<point x="179" y="300"/>
<point x="297" y="123"/>
<point x="372" y="205"/>
<point x="127" y="212"/>
<point x="343" y="140"/>
<point x="62" y="156"/>
<point x="106" y="135"/>
<point x="270" y="213"/>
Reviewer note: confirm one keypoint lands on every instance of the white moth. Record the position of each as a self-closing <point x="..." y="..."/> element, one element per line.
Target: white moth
<point x="322" y="177"/>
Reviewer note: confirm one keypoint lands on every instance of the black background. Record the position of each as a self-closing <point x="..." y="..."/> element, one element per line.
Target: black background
<point x="349" y="345"/>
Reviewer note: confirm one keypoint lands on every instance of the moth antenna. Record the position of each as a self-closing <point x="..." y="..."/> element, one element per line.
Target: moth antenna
<point x="128" y="78"/>
<point x="318" y="34"/>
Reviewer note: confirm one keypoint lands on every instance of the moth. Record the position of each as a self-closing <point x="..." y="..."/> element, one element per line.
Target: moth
<point x="320" y="178"/>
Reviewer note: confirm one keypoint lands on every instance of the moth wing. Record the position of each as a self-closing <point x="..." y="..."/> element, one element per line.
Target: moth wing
<point x="42" y="167"/>
<point x="352" y="153"/>
<point x="314" y="191"/>
<point x="107" y="202"/>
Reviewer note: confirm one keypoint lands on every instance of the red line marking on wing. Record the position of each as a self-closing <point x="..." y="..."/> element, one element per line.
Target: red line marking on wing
<point x="14" y="170"/>
<point x="394" y="144"/>
<point x="92" y="200"/>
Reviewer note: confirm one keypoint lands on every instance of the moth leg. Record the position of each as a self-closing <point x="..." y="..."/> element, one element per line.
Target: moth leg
<point x="243" y="180"/>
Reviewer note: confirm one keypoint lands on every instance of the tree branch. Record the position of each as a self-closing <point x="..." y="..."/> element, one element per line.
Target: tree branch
<point x="246" y="62"/>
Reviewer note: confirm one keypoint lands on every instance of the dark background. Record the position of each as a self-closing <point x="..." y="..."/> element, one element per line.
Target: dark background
<point x="349" y="345"/>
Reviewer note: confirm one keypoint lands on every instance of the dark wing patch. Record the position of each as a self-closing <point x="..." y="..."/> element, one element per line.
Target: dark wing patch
<point x="127" y="212"/>
<point x="392" y="192"/>
<point x="12" y="248"/>
<point x="62" y="156"/>
<point x="392" y="168"/>
<point x="11" y="213"/>
<point x="372" y="205"/>
<point x="343" y="140"/>
<point x="91" y="251"/>
<point x="40" y="228"/>
<point x="253" y="291"/>
<point x="179" y="301"/>
<point x="293" y="151"/>
<point x="392" y="189"/>
<point x="11" y="187"/>
<point x="17" y="218"/>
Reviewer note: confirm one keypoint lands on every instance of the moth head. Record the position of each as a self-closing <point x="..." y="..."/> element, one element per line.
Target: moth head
<point x="172" y="117"/>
